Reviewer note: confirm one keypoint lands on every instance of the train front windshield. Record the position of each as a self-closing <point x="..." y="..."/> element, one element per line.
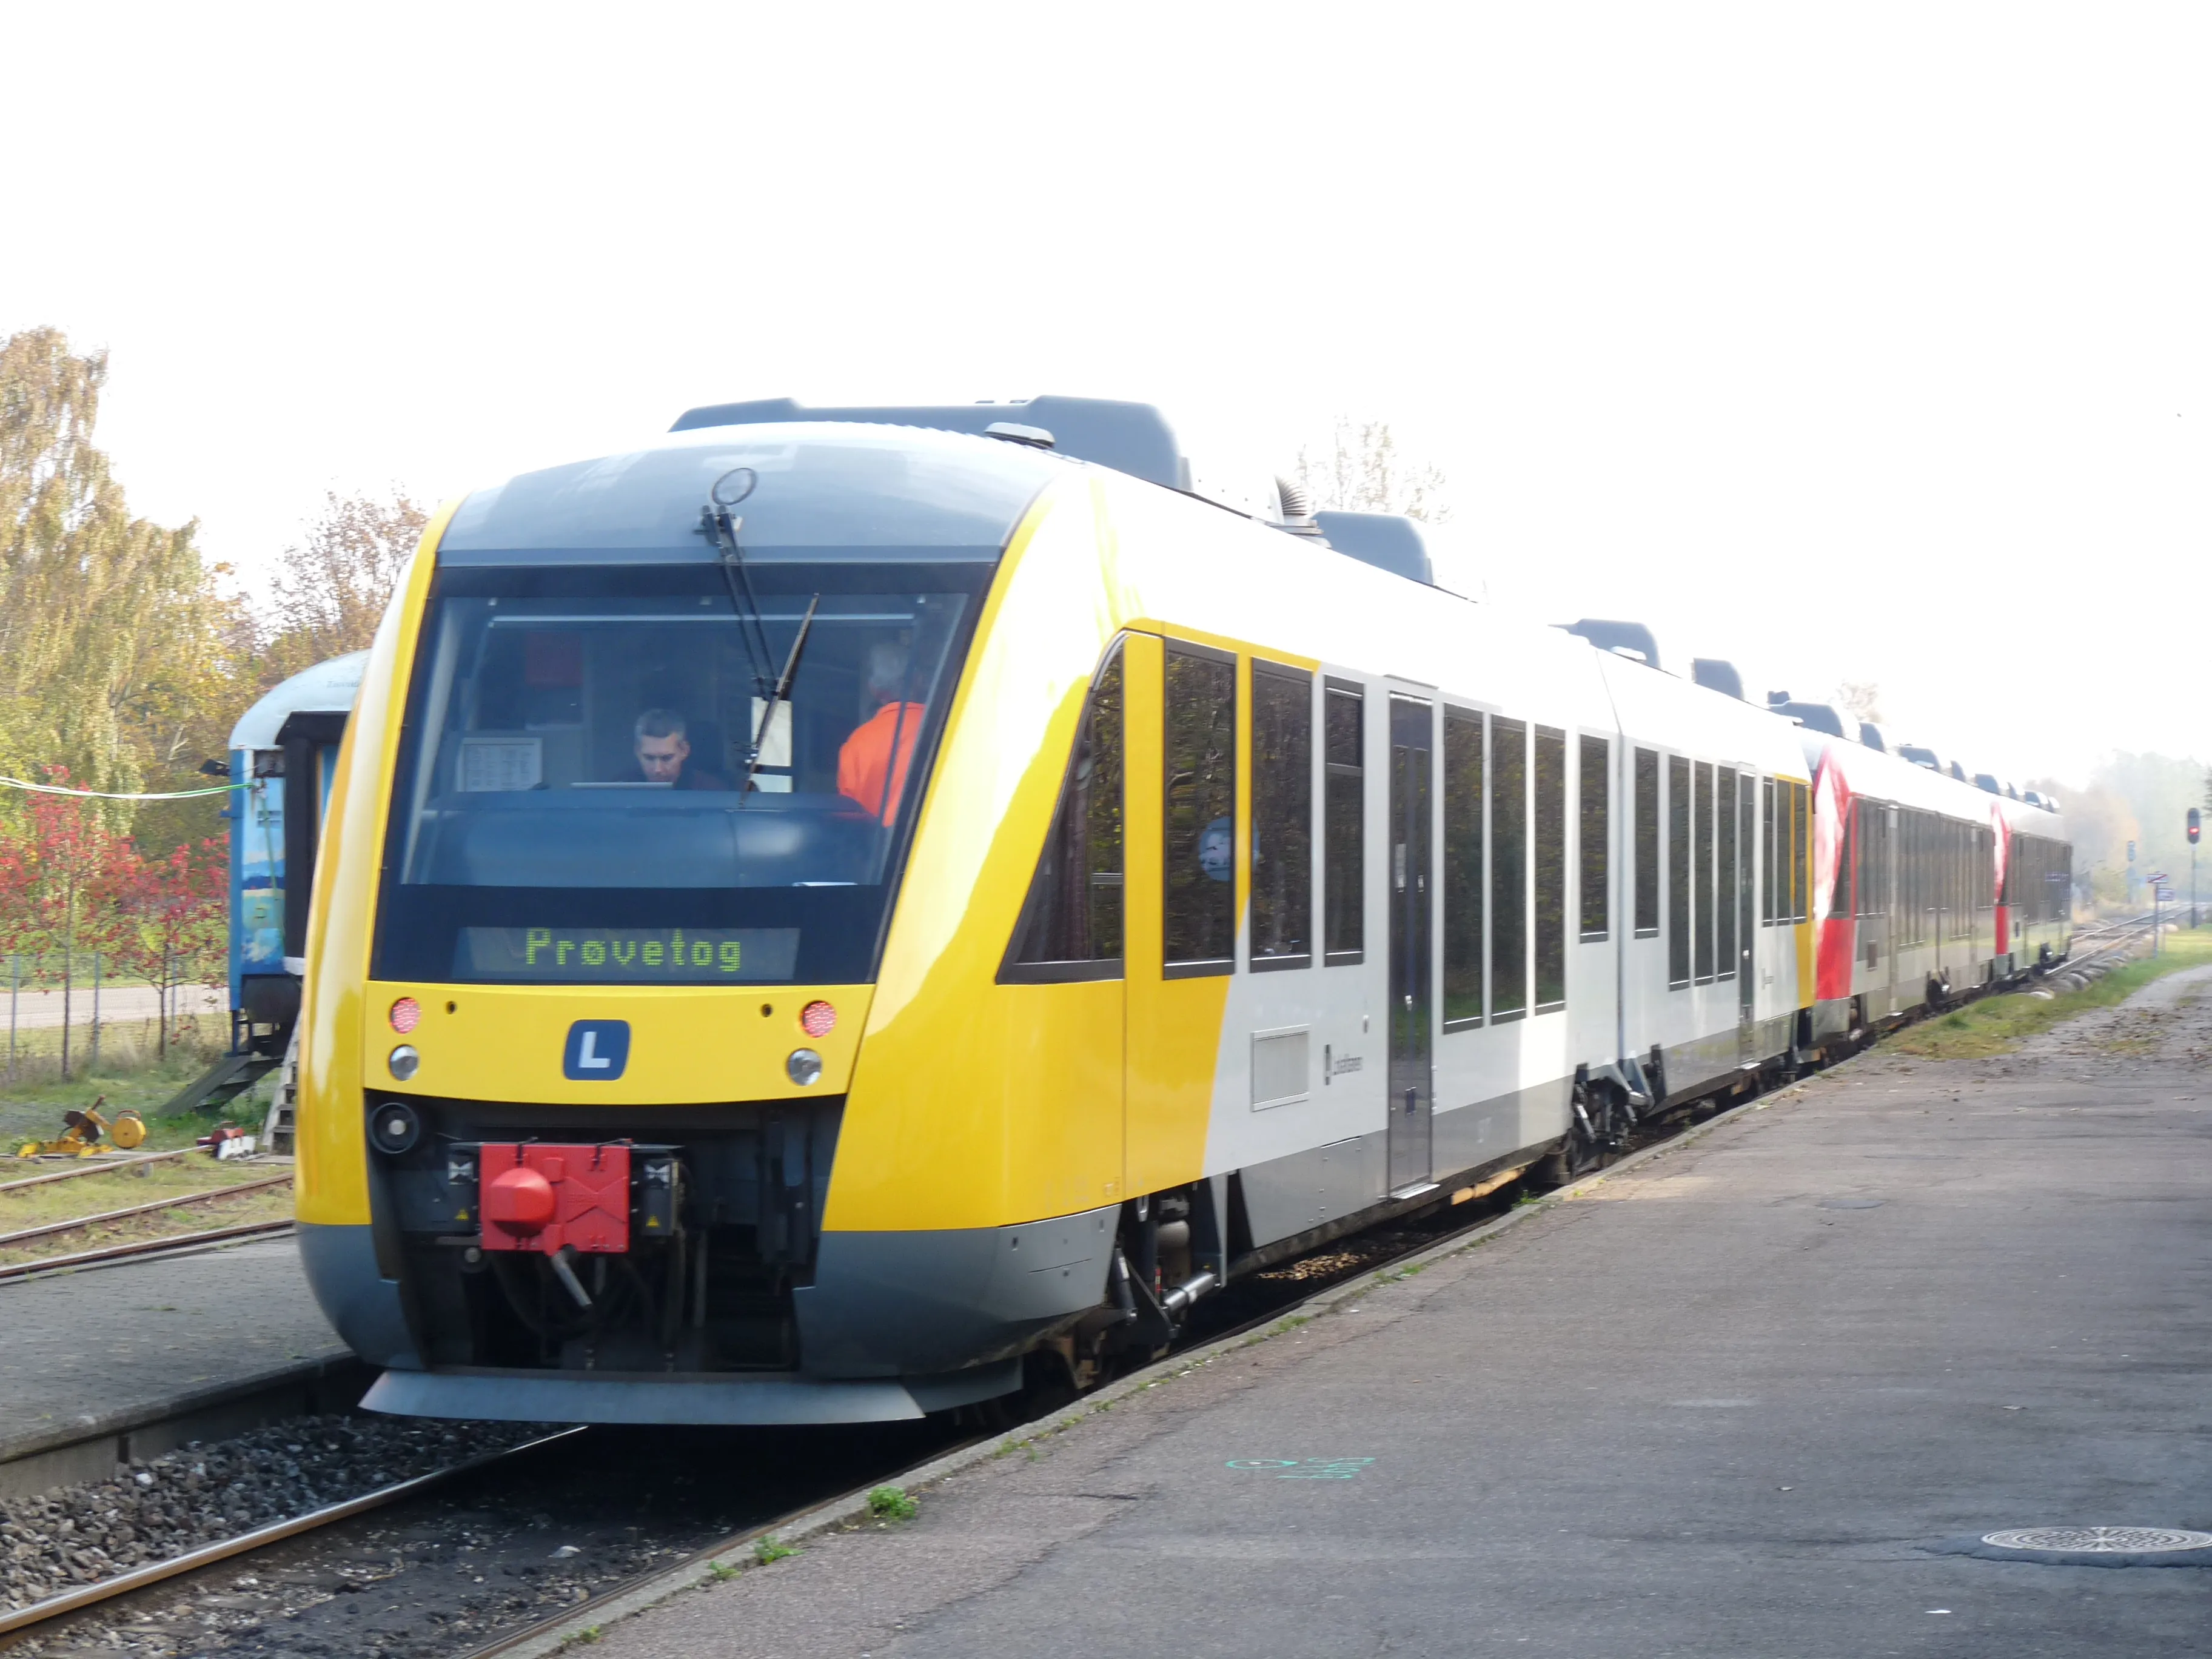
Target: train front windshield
<point x="598" y="784"/>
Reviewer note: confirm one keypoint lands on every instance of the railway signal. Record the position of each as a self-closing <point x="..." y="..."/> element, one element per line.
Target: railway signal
<point x="2196" y="829"/>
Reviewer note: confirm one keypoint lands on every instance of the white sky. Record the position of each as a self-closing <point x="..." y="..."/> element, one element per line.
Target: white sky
<point x="1859" y="342"/>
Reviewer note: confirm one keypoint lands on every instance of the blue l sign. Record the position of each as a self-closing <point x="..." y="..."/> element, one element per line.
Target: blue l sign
<point x="598" y="1050"/>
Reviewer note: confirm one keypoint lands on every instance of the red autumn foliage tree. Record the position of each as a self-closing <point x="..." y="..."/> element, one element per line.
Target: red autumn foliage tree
<point x="62" y="863"/>
<point x="172" y="919"/>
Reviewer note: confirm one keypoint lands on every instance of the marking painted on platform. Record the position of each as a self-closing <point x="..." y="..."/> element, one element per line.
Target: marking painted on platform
<point x="1305" y="1468"/>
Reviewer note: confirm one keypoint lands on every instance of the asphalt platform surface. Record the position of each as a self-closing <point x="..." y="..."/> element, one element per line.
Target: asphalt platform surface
<point x="105" y="1349"/>
<point x="1721" y="1404"/>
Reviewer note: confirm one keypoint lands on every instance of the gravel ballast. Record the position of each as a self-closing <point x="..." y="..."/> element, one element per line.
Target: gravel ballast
<point x="162" y="1508"/>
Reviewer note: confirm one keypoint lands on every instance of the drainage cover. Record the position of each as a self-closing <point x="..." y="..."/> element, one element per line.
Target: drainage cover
<point x="2100" y="1540"/>
<point x="2087" y="1546"/>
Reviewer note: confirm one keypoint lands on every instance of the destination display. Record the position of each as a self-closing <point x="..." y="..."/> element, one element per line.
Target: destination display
<point x="623" y="956"/>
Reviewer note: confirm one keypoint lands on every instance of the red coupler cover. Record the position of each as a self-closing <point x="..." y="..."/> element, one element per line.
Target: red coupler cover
<point x="537" y="1197"/>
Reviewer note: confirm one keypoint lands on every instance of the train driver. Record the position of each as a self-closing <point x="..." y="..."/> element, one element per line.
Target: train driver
<point x="664" y="752"/>
<point x="880" y="750"/>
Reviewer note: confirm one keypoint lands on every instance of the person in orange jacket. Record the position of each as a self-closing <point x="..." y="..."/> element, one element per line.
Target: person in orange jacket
<point x="882" y="748"/>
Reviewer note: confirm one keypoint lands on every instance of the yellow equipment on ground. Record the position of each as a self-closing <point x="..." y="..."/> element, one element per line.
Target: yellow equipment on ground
<point x="83" y="1131"/>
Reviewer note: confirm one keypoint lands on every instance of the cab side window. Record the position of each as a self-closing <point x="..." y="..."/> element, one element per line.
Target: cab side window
<point x="1071" y="923"/>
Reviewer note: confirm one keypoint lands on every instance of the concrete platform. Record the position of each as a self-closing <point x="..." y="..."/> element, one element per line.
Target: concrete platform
<point x="1720" y="1405"/>
<point x="106" y="1364"/>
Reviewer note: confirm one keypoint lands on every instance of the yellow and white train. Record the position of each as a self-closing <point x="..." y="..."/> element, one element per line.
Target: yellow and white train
<point x="822" y="910"/>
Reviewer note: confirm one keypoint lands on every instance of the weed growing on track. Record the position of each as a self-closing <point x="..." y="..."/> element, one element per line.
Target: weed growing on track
<point x="766" y="1550"/>
<point x="1998" y="1024"/>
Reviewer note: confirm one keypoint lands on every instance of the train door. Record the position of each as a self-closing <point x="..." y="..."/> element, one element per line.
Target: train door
<point x="1181" y="900"/>
<point x="1413" y="1027"/>
<point x="1746" y="920"/>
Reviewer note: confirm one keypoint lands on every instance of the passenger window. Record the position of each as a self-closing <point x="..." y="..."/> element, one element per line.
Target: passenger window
<point x="1071" y="924"/>
<point x="1509" y="869"/>
<point x="1462" y="872"/>
<point x="1594" y="794"/>
<point x="1647" y="843"/>
<point x="1344" y="803"/>
<point x="1701" y="854"/>
<point x="1551" y="867"/>
<point x="1725" y="851"/>
<point x="1199" y="918"/>
<point x="1766" y="847"/>
<point x="1678" y="872"/>
<point x="1282" y="816"/>
<point x="1799" y="837"/>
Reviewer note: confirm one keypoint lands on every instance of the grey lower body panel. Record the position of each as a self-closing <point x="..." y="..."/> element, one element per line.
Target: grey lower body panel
<point x="658" y="1397"/>
<point x="891" y="1304"/>
<point x="363" y="1306"/>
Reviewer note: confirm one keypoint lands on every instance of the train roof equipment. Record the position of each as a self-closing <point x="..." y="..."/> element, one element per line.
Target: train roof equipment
<point x="1873" y="737"/>
<point x="1716" y="675"/>
<point x="1813" y="716"/>
<point x="1630" y="639"/>
<point x="1919" y="757"/>
<point x="1130" y="437"/>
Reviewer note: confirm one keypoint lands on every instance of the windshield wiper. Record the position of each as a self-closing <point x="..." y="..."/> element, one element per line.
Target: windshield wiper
<point x="715" y="520"/>
<point x="777" y="698"/>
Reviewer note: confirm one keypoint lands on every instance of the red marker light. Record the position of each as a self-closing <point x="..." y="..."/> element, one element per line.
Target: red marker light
<point x="817" y="1019"/>
<point x="406" y="1015"/>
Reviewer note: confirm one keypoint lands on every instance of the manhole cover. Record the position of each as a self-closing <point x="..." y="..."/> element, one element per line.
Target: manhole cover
<point x="2100" y="1540"/>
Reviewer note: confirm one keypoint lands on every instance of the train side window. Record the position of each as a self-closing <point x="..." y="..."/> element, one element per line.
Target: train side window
<point x="1724" y="850"/>
<point x="1551" y="867"/>
<point x="1463" y="872"/>
<point x="1282" y="816"/>
<point x="1509" y="869"/>
<point x="1766" y="846"/>
<point x="1647" y="843"/>
<point x="1198" y="916"/>
<point x="1839" y="900"/>
<point x="1701" y="852"/>
<point x="1800" y="835"/>
<point x="1071" y="923"/>
<point x="1678" y="872"/>
<point x="1594" y="799"/>
<point x="1344" y="808"/>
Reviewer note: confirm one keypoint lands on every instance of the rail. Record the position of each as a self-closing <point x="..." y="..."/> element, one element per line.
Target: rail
<point x="86" y="1596"/>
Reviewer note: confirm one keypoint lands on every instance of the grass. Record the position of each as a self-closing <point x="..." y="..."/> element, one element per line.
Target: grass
<point x="766" y="1550"/>
<point x="32" y="1105"/>
<point x="892" y="1504"/>
<point x="1996" y="1025"/>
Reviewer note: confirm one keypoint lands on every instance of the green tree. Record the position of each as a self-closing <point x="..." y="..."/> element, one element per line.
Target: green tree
<point x="118" y="655"/>
<point x="332" y="586"/>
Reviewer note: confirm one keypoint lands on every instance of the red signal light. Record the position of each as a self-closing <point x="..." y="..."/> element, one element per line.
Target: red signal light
<point x="406" y="1015"/>
<point x="817" y="1019"/>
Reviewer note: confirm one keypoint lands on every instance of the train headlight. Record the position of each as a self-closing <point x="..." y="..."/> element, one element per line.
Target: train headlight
<point x="406" y="1015"/>
<point x="804" y="1067"/>
<point x="817" y="1019"/>
<point x="395" y="1128"/>
<point x="404" y="1061"/>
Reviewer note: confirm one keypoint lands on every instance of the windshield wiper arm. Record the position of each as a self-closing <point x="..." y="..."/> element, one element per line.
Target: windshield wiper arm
<point x="779" y="696"/>
<point x="716" y="520"/>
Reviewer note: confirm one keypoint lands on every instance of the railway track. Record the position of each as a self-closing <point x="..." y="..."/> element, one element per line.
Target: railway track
<point x="1246" y="1305"/>
<point x="44" y="1232"/>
